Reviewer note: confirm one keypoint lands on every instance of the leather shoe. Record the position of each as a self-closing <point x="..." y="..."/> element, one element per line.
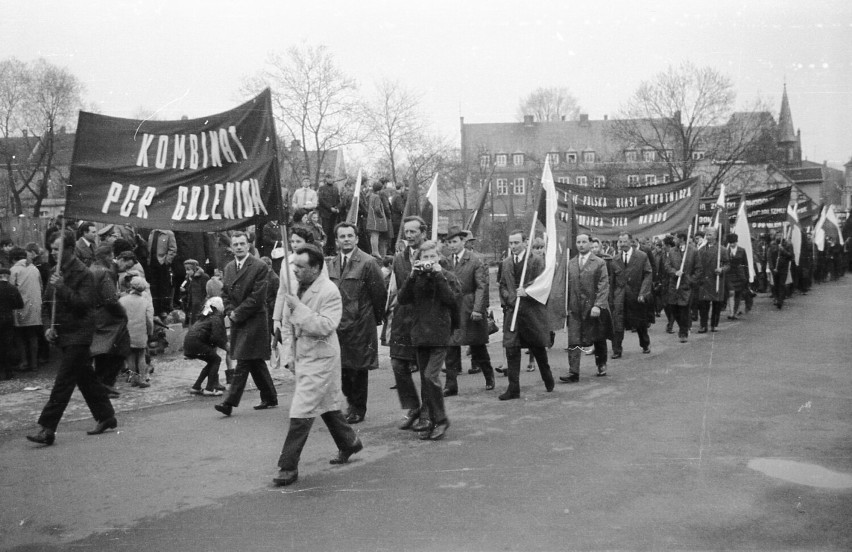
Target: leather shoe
<point x="616" y="355"/>
<point x="489" y="384"/>
<point x="343" y="455"/>
<point x="410" y="418"/>
<point x="669" y="328"/>
<point x="601" y="371"/>
<point x="43" y="437"/>
<point x="422" y="425"/>
<point x="264" y="405"/>
<point x="509" y="395"/>
<point x="474" y="370"/>
<point x="439" y="430"/>
<point x="703" y="329"/>
<point x="354" y="418"/>
<point x="451" y="392"/>
<point x="549" y="384"/>
<point x="103" y="425"/>
<point x="224" y="408"/>
<point x="646" y="350"/>
<point x="573" y="378"/>
<point x="286" y="477"/>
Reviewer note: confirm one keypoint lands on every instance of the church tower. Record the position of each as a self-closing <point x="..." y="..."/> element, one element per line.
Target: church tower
<point x="789" y="141"/>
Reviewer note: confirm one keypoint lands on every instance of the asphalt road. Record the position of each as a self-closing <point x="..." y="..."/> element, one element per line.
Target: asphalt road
<point x="738" y="440"/>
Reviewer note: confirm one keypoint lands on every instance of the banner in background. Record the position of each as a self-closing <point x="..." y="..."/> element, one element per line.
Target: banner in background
<point x="643" y="211"/>
<point x="213" y="173"/>
<point x="766" y="210"/>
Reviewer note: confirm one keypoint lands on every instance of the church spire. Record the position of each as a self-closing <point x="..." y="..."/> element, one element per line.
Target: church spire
<point x="785" y="121"/>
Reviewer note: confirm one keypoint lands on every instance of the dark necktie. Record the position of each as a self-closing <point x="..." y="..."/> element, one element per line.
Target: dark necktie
<point x="343" y="264"/>
<point x="625" y="258"/>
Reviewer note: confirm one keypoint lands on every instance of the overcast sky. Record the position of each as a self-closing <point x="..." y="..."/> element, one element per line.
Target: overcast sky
<point x="468" y="58"/>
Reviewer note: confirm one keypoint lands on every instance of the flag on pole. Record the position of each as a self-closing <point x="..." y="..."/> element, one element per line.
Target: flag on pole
<point x="539" y="289"/>
<point x="472" y="224"/>
<point x="432" y="202"/>
<point x="743" y="232"/>
<point x="795" y="231"/>
<point x="352" y="215"/>
<point x="722" y="223"/>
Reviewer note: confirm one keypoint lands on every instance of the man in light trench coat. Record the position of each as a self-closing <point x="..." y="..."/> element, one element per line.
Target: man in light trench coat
<point x="313" y="315"/>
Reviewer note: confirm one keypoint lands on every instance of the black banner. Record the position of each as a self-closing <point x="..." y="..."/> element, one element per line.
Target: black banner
<point x="643" y="211"/>
<point x="765" y="210"/>
<point x="213" y="173"/>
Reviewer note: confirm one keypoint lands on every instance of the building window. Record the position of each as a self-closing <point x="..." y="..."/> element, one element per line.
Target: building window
<point x="570" y="157"/>
<point x="582" y="181"/>
<point x="630" y="155"/>
<point x="483" y="160"/>
<point x="633" y="180"/>
<point x="518" y="159"/>
<point x="697" y="155"/>
<point x="554" y="159"/>
<point x="649" y="156"/>
<point x="666" y="179"/>
<point x="650" y="179"/>
<point x="600" y="182"/>
<point x="502" y="187"/>
<point x="519" y="187"/>
<point x="588" y="157"/>
<point x="500" y="159"/>
<point x="563" y="180"/>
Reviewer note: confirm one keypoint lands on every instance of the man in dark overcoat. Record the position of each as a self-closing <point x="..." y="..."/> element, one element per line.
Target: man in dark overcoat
<point x="737" y="277"/>
<point x="588" y="307"/>
<point x="362" y="288"/>
<point x="712" y="265"/>
<point x="531" y="328"/>
<point x="681" y="265"/>
<point x="633" y="285"/>
<point x="472" y="274"/>
<point x="778" y="261"/>
<point x="328" y="206"/>
<point x="244" y="294"/>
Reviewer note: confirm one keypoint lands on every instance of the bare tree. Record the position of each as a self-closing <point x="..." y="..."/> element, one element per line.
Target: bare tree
<point x="37" y="100"/>
<point x="685" y="116"/>
<point x="549" y="104"/>
<point x="393" y="122"/>
<point x="315" y="102"/>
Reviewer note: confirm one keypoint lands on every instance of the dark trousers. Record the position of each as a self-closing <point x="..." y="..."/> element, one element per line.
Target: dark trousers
<point x="743" y="296"/>
<point x="641" y="331"/>
<point x="343" y="435"/>
<point x="430" y="360"/>
<point x="681" y="316"/>
<point x="779" y="287"/>
<point x="107" y="368"/>
<point x="261" y="377"/>
<point x="575" y="354"/>
<point x="478" y="357"/>
<point x="327" y="224"/>
<point x="7" y="350"/>
<point x="161" y="286"/>
<point x="409" y="399"/>
<point x="26" y="339"/>
<point x="210" y="372"/>
<point x="711" y="310"/>
<point x="355" y="384"/>
<point x="75" y="371"/>
<point x="513" y="365"/>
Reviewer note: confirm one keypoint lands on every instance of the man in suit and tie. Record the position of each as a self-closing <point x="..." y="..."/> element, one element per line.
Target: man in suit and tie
<point x="738" y="276"/>
<point x="472" y="275"/>
<point x="85" y="246"/>
<point x="631" y="291"/>
<point x="712" y="264"/>
<point x="531" y="328"/>
<point x="244" y="295"/>
<point x="588" y="307"/>
<point x="362" y="289"/>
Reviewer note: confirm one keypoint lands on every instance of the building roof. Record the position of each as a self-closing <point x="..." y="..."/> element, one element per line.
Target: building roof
<point x="786" y="133"/>
<point x="26" y="148"/>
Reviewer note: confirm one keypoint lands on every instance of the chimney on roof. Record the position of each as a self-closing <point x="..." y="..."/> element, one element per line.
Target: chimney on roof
<point x="606" y="117"/>
<point x="295" y="146"/>
<point x="584" y="119"/>
<point x="562" y="118"/>
<point x="676" y="116"/>
<point x="62" y="129"/>
<point x="825" y="163"/>
<point x="528" y="120"/>
<point x="24" y="132"/>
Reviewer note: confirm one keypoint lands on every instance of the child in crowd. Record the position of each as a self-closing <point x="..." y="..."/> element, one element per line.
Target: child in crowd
<point x="201" y="342"/>
<point x="140" y="324"/>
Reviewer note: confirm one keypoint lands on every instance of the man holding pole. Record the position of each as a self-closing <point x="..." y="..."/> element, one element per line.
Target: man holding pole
<point x="681" y="268"/>
<point x="72" y="329"/>
<point x="529" y="328"/>
<point x="712" y="264"/>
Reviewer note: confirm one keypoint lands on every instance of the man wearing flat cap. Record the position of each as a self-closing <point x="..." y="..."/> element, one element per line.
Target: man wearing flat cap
<point x="472" y="274"/>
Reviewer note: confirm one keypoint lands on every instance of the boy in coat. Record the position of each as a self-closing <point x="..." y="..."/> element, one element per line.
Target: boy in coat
<point x="202" y="340"/>
<point x="314" y="314"/>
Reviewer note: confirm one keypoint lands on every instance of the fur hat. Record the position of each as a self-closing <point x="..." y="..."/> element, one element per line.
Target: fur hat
<point x="138" y="283"/>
